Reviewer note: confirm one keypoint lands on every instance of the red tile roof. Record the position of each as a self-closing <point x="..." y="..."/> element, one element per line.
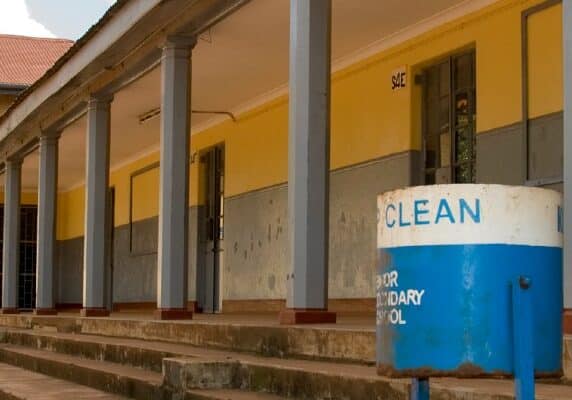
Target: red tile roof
<point x="25" y="59"/>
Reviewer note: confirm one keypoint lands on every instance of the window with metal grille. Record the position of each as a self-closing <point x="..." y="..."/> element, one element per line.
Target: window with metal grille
<point x="27" y="262"/>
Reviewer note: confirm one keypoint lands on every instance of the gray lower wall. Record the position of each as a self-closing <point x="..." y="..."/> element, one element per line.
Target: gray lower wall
<point x="134" y="268"/>
<point x="256" y="232"/>
<point x="500" y="154"/>
<point x="255" y="247"/>
<point x="69" y="282"/>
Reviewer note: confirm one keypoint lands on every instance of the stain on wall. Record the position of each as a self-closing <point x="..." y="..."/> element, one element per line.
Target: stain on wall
<point x="135" y="273"/>
<point x="353" y="220"/>
<point x="256" y="245"/>
<point x="135" y="270"/>
<point x="257" y="232"/>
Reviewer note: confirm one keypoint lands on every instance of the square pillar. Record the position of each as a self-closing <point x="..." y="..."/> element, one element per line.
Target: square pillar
<point x="96" y="244"/>
<point x="174" y="180"/>
<point x="11" y="240"/>
<point x="309" y="162"/>
<point x="567" y="170"/>
<point x="46" y="242"/>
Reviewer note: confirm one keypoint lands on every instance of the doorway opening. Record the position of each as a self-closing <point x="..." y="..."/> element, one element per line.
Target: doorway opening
<point x="110" y="224"/>
<point x="209" y="274"/>
<point x="449" y="120"/>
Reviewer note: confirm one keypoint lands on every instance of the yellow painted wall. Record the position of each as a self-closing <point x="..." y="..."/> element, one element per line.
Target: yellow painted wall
<point x="369" y="120"/>
<point x="545" y="62"/>
<point x="27" y="198"/>
<point x="70" y="214"/>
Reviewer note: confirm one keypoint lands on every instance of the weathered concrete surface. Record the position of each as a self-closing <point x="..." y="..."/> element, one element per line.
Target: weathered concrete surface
<point x="112" y="378"/>
<point x="257" y="240"/>
<point x="353" y="220"/>
<point x="354" y="345"/>
<point x="567" y="357"/>
<point x="288" y="381"/>
<point x="226" y="394"/>
<point x="302" y="380"/>
<point x="103" y="349"/>
<point x="193" y="370"/>
<point x="16" y="384"/>
<point x="349" y="345"/>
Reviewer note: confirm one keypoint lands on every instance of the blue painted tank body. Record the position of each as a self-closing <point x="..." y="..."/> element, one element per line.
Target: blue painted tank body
<point x="443" y="289"/>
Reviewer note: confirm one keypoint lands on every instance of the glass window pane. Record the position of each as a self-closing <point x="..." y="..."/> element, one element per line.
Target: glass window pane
<point x="463" y="145"/>
<point x="463" y="70"/>
<point x="464" y="173"/>
<point x="462" y="109"/>
<point x="445" y="79"/>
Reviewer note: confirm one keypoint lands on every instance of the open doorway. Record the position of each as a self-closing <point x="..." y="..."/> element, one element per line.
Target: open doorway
<point x="110" y="228"/>
<point x="449" y="115"/>
<point x="209" y="274"/>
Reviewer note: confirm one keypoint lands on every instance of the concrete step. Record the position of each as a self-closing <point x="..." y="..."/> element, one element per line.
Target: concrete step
<point x="20" y="384"/>
<point x="346" y="341"/>
<point x="108" y="377"/>
<point x="194" y="370"/>
<point x="105" y="376"/>
<point x="226" y="394"/>
<point x="135" y="353"/>
<point x="300" y="380"/>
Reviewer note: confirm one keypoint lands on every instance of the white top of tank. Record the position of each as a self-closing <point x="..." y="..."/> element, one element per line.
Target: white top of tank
<point x="469" y="214"/>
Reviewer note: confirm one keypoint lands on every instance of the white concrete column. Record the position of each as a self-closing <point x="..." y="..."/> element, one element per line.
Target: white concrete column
<point x="11" y="240"/>
<point x="567" y="111"/>
<point x="46" y="242"/>
<point x="309" y="162"/>
<point x="96" y="245"/>
<point x="174" y="179"/>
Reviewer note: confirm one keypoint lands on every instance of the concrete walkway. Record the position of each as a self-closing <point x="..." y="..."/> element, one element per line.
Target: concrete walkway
<point x="17" y="383"/>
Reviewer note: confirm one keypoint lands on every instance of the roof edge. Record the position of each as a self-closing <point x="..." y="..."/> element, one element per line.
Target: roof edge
<point x="74" y="49"/>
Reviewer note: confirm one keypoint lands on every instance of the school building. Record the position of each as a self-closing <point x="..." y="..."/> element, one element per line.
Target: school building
<point x="224" y="156"/>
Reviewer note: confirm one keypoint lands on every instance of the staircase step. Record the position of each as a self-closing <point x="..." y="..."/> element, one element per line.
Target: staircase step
<point x="109" y="377"/>
<point x="349" y="341"/>
<point x="131" y="352"/>
<point x="194" y="370"/>
<point x="20" y="384"/>
<point x="331" y="382"/>
<point x="227" y="394"/>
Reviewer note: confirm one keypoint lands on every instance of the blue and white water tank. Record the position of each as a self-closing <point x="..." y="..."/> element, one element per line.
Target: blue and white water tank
<point x="447" y="256"/>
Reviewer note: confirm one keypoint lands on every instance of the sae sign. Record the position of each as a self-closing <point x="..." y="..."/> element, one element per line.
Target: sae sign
<point x="447" y="257"/>
<point x="399" y="78"/>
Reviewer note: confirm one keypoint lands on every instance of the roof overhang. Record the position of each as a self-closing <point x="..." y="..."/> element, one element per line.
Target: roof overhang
<point x="12" y="89"/>
<point x="124" y="43"/>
